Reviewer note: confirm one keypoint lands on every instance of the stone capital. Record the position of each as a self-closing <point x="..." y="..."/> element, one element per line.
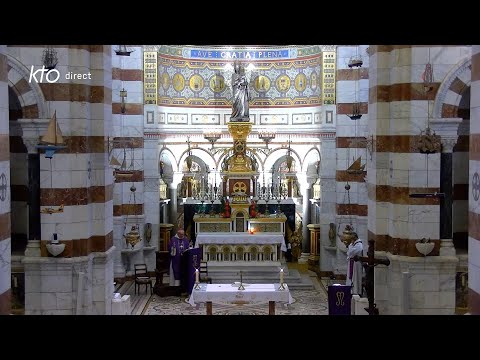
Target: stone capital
<point x="31" y="131"/>
<point x="447" y="129"/>
<point x="448" y="142"/>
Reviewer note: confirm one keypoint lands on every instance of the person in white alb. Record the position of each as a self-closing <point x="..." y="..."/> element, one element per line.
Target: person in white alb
<point x="354" y="268"/>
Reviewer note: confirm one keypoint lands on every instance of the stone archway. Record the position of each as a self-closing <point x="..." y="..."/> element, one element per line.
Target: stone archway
<point x="449" y="94"/>
<point x="452" y="102"/>
<point x="29" y="94"/>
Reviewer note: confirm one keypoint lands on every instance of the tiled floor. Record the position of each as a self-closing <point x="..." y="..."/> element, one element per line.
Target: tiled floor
<point x="306" y="302"/>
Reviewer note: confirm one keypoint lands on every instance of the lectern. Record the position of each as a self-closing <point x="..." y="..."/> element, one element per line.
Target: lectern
<point x="190" y="262"/>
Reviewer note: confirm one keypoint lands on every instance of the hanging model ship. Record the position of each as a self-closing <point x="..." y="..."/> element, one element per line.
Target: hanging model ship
<point x="356" y="167"/>
<point x="51" y="142"/>
<point x="355" y="112"/>
<point x="122" y="171"/>
<point x="123" y="51"/>
<point x="53" y="139"/>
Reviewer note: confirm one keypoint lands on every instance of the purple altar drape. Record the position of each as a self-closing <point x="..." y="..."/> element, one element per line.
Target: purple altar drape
<point x="339" y="299"/>
<point x="192" y="257"/>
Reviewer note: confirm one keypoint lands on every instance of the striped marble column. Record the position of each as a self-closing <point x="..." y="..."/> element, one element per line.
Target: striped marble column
<point x="128" y="207"/>
<point x="398" y="106"/>
<point x="80" y="279"/>
<point x="352" y="88"/>
<point x="474" y="188"/>
<point x="5" y="249"/>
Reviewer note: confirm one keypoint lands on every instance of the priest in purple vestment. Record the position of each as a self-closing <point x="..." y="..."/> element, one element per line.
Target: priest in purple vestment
<point x="176" y="246"/>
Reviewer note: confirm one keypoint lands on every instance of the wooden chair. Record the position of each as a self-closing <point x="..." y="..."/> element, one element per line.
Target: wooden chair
<point x="142" y="278"/>
<point x="204" y="278"/>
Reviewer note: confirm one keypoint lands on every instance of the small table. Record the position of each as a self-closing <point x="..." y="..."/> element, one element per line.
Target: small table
<point x="229" y="294"/>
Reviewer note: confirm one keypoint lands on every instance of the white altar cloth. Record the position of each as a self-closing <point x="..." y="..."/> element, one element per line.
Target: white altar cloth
<point x="229" y="293"/>
<point x="241" y="238"/>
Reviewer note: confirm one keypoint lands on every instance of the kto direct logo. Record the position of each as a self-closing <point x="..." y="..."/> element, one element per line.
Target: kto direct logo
<point x="51" y="76"/>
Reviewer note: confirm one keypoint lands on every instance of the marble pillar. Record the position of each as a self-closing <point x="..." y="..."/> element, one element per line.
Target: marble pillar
<point x="448" y="131"/>
<point x="31" y="130"/>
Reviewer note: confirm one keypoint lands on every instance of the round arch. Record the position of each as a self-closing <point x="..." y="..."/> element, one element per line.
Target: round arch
<point x="312" y="156"/>
<point x="167" y="154"/>
<point x="272" y="158"/>
<point x="450" y="92"/>
<point x="208" y="160"/>
<point x="29" y="94"/>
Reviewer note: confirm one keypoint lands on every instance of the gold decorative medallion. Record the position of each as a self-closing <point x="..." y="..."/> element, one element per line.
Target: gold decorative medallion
<point x="313" y="80"/>
<point x="239" y="187"/>
<point x="300" y="82"/>
<point x="178" y="82"/>
<point x="165" y="81"/>
<point x="217" y="83"/>
<point x="196" y="83"/>
<point x="262" y="83"/>
<point x="283" y="83"/>
<point x="239" y="146"/>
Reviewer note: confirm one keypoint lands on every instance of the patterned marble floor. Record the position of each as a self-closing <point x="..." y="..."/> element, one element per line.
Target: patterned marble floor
<point x="305" y="302"/>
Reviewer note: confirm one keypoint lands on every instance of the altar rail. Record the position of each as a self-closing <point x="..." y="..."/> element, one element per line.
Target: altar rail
<point x="240" y="253"/>
<point x="241" y="247"/>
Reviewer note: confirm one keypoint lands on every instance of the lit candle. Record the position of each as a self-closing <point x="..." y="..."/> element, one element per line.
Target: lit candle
<point x="197" y="276"/>
<point x="281" y="276"/>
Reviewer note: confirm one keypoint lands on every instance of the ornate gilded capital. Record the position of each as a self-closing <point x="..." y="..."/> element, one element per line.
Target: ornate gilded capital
<point x="239" y="130"/>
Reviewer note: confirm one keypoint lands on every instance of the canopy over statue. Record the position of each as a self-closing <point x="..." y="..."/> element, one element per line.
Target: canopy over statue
<point x="240" y="110"/>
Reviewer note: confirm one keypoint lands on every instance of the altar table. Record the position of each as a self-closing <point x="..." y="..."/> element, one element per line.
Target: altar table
<point x="229" y="294"/>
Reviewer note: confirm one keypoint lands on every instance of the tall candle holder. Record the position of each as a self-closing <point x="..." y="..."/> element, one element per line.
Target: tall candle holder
<point x="197" y="280"/>
<point x="241" y="287"/>
<point x="282" y="284"/>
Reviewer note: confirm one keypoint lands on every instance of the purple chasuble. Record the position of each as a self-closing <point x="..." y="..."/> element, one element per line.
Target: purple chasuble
<point x="175" y="248"/>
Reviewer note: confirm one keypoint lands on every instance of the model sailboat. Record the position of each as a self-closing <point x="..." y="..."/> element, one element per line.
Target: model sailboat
<point x="355" y="112"/>
<point x="51" y="142"/>
<point x="53" y="139"/>
<point x="356" y="167"/>
<point x="123" y="51"/>
<point x="123" y="171"/>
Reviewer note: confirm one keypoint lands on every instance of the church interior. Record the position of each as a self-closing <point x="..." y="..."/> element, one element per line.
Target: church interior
<point x="273" y="160"/>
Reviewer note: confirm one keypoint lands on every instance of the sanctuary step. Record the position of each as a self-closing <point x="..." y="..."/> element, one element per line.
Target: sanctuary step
<point x="256" y="275"/>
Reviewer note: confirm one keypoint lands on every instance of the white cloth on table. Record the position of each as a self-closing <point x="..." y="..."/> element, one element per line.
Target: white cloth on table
<point x="228" y="293"/>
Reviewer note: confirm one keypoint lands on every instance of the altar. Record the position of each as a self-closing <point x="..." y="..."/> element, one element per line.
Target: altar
<point x="230" y="294"/>
<point x="237" y="230"/>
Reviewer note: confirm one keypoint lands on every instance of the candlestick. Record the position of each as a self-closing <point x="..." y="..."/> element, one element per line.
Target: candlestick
<point x="282" y="285"/>
<point x="241" y="287"/>
<point x="197" y="280"/>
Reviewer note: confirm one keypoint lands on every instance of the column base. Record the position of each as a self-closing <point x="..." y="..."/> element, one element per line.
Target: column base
<point x="33" y="248"/>
<point x="303" y="259"/>
<point x="447" y="248"/>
